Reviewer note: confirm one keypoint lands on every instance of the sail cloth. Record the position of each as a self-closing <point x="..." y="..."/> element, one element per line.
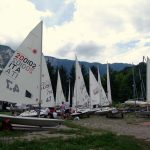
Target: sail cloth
<point x="97" y="93"/>
<point x="47" y="96"/>
<point x="59" y="92"/>
<point x="81" y="97"/>
<point x="103" y="98"/>
<point x="94" y="90"/>
<point x="22" y="73"/>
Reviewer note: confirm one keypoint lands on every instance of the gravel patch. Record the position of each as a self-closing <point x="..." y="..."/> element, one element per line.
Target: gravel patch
<point x="137" y="127"/>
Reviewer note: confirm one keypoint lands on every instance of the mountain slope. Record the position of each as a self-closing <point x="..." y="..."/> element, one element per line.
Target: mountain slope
<point x="6" y="52"/>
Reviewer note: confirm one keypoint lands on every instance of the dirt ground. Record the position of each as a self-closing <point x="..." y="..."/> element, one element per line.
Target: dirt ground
<point x="129" y="125"/>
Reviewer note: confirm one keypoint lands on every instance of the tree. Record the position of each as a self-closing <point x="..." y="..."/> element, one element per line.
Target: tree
<point x="53" y="76"/>
<point x="64" y="80"/>
<point x="95" y="71"/>
<point x="85" y="76"/>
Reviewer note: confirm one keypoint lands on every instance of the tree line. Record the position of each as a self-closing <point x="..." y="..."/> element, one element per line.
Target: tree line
<point x="129" y="83"/>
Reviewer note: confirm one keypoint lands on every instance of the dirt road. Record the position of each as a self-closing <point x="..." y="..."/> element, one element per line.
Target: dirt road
<point x="130" y="125"/>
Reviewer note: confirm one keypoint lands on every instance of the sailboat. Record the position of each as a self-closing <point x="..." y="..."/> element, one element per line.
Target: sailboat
<point x="97" y="93"/>
<point x="136" y="101"/>
<point x="94" y="91"/>
<point x="59" y="92"/>
<point x="81" y="99"/>
<point x="22" y="78"/>
<point x="103" y="98"/>
<point x="105" y="101"/>
<point x="47" y="95"/>
<point x="146" y="104"/>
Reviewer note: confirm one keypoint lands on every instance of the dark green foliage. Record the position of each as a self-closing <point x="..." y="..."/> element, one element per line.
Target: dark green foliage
<point x="53" y="75"/>
<point x="64" y="80"/>
<point x="95" y="71"/>
<point x="72" y="81"/>
<point x="85" y="76"/>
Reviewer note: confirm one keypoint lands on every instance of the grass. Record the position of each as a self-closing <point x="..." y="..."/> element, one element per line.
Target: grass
<point x="5" y="112"/>
<point x="83" y="139"/>
<point x="132" y="119"/>
<point x="11" y="133"/>
<point x="107" y="141"/>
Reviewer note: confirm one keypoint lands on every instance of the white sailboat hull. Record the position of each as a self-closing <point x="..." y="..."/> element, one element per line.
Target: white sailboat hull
<point x="81" y="112"/>
<point x="104" y="110"/>
<point x="137" y="103"/>
<point x="32" y="121"/>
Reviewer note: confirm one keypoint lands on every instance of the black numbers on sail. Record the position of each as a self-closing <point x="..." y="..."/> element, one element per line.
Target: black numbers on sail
<point x="11" y="86"/>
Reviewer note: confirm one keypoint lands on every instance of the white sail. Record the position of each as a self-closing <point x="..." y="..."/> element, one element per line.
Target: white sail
<point x="81" y="97"/>
<point x="94" y="90"/>
<point x="108" y="86"/>
<point x="47" y="95"/>
<point x="59" y="92"/>
<point x="20" y="78"/>
<point x="103" y="98"/>
<point x="148" y="80"/>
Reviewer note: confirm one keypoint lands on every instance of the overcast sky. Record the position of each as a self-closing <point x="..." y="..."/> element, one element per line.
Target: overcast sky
<point x="94" y="30"/>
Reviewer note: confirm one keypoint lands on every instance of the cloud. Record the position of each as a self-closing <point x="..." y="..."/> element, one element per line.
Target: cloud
<point x="125" y="47"/>
<point x="88" y="49"/>
<point x="118" y="29"/>
<point x="147" y="44"/>
<point x="66" y="50"/>
<point x="62" y="10"/>
<point x="18" y="18"/>
<point x="140" y="16"/>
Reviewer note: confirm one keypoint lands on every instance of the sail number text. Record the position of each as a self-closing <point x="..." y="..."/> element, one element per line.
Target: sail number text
<point x="11" y="86"/>
<point x="25" y="60"/>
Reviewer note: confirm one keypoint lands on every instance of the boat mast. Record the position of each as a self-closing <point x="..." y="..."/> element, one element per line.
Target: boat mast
<point x="142" y="85"/>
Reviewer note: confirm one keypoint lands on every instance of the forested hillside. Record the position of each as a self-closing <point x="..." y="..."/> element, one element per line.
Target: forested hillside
<point x="122" y="82"/>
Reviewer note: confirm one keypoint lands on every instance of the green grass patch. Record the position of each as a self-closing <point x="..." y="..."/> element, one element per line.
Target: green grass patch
<point x="5" y="133"/>
<point x="63" y="131"/>
<point x="107" y="141"/>
<point x="5" y="112"/>
<point x="132" y="119"/>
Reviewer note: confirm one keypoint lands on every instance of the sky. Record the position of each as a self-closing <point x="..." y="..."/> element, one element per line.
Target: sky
<point x="95" y="30"/>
